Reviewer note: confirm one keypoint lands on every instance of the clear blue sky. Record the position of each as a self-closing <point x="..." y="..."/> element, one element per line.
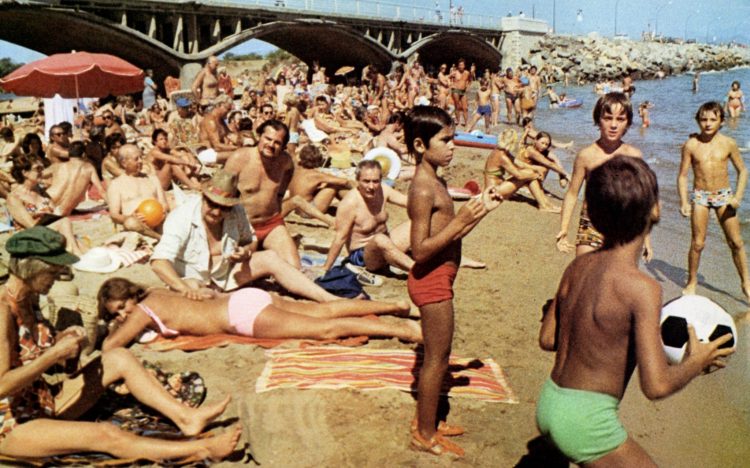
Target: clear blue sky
<point x="713" y="20"/>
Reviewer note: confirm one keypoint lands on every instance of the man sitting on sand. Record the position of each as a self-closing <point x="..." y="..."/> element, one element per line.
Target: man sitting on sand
<point x="126" y="192"/>
<point x="172" y="165"/>
<point x="208" y="243"/>
<point x="264" y="173"/>
<point x="312" y="191"/>
<point x="59" y="144"/>
<point x="213" y="132"/>
<point x="72" y="179"/>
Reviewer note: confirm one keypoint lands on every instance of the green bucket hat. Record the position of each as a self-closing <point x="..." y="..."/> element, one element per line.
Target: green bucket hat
<point x="42" y="243"/>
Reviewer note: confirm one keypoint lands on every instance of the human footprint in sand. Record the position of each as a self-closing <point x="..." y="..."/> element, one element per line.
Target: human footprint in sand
<point x="709" y="154"/>
<point x="249" y="312"/>
<point x="34" y="424"/>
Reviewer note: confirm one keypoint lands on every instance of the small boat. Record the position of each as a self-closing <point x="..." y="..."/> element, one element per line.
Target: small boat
<point x="475" y="140"/>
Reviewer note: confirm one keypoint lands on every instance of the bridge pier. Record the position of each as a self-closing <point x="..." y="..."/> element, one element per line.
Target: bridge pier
<point x="520" y="35"/>
<point x="188" y="73"/>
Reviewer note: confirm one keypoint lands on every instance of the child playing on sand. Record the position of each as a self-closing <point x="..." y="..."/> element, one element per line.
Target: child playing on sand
<point x="709" y="154"/>
<point x="436" y="234"/>
<point x="604" y="321"/>
<point x="613" y="114"/>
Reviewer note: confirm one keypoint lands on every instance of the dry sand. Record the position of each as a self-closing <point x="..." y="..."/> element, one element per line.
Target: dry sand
<point x="497" y="316"/>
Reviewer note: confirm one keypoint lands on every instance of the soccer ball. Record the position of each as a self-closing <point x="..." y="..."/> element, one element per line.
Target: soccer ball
<point x="708" y="318"/>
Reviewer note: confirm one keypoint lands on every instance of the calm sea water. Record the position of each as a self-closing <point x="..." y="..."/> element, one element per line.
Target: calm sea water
<point x="672" y="121"/>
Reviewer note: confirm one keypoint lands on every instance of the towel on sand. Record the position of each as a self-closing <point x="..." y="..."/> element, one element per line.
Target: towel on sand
<point x="379" y="369"/>
<point x="198" y="343"/>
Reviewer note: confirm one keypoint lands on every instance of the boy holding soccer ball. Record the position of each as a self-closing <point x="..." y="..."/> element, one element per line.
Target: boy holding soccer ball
<point x="604" y="321"/>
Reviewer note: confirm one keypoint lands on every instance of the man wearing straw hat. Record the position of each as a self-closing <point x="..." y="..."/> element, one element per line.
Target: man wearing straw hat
<point x="207" y="245"/>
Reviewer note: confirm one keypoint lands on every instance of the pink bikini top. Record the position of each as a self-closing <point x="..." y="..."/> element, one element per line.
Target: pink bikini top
<point x="163" y="330"/>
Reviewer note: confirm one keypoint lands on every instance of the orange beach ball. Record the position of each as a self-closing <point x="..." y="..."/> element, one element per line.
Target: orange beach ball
<point x="152" y="212"/>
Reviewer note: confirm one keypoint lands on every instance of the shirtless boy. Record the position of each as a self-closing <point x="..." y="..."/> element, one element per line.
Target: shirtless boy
<point x="613" y="114"/>
<point x="436" y="234"/>
<point x="71" y="180"/>
<point x="128" y="190"/>
<point x="498" y="85"/>
<point x="604" y="321"/>
<point x="312" y="191"/>
<point x="459" y="86"/>
<point x="484" y="106"/>
<point x="264" y="172"/>
<point x="709" y="154"/>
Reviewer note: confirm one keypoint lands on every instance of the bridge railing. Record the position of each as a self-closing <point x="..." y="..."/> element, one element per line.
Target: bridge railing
<point x="374" y="9"/>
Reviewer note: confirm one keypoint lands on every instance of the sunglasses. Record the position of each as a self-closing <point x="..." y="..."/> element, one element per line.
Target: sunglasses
<point x="58" y="134"/>
<point x="108" y="117"/>
<point x="213" y="205"/>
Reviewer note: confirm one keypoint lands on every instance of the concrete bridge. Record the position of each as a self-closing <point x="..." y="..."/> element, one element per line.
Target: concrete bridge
<point x="174" y="37"/>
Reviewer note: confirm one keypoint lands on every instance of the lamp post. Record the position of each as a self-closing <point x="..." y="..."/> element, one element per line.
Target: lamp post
<point x="617" y="2"/>
<point x="689" y="17"/>
<point x="656" y="22"/>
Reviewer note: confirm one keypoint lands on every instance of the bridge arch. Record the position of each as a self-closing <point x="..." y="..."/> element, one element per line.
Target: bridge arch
<point x="449" y="46"/>
<point x="26" y="28"/>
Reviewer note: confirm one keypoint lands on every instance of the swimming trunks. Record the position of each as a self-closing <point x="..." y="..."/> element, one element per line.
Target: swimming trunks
<point x="511" y="96"/>
<point x="244" y="307"/>
<point x="459" y="92"/>
<point x="495" y="96"/>
<point x="262" y="230"/>
<point x="163" y="329"/>
<point x="587" y="233"/>
<point x="357" y="257"/>
<point x="35" y="400"/>
<point x="484" y="110"/>
<point x="583" y="424"/>
<point x="712" y="199"/>
<point x="431" y="285"/>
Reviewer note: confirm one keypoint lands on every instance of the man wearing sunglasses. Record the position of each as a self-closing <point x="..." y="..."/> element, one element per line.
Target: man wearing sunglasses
<point x="57" y="151"/>
<point x="111" y="125"/>
<point x="213" y="132"/>
<point x="208" y="245"/>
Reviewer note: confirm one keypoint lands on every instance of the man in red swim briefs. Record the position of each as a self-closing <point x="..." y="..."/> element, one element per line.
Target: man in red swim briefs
<point x="264" y="173"/>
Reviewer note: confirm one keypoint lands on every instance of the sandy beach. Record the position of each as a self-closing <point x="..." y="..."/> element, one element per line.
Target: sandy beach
<point x="497" y="316"/>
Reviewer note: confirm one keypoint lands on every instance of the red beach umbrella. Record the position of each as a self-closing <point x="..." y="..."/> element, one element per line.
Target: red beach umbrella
<point x="74" y="75"/>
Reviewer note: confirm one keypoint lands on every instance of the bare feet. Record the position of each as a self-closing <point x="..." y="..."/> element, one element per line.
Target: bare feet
<point x="196" y="420"/>
<point x="412" y="331"/>
<point x="219" y="447"/>
<point x="689" y="290"/>
<point x="404" y="309"/>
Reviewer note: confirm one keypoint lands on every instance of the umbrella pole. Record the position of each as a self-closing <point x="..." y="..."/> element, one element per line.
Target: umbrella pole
<point x="78" y="98"/>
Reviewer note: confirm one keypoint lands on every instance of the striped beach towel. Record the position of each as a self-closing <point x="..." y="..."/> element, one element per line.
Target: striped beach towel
<point x="379" y="369"/>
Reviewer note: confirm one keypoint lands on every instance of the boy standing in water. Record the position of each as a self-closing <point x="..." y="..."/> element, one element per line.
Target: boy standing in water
<point x="436" y="234"/>
<point x="709" y="154"/>
<point x="604" y="321"/>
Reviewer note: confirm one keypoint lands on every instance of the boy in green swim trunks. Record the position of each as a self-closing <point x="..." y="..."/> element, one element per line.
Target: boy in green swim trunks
<point x="604" y="321"/>
<point x="709" y="154"/>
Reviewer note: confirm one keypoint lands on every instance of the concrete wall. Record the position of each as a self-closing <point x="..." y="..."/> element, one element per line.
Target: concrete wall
<point x="521" y="35"/>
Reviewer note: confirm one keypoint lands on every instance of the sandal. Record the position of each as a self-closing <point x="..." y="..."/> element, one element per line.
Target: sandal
<point x="445" y="429"/>
<point x="437" y="445"/>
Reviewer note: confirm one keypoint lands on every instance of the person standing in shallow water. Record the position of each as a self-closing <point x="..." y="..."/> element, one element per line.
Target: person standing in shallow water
<point x="709" y="154"/>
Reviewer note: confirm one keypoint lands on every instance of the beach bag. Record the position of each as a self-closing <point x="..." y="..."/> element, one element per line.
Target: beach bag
<point x="342" y="282"/>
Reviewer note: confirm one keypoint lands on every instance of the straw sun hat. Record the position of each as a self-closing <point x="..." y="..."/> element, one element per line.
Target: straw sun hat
<point x="222" y="189"/>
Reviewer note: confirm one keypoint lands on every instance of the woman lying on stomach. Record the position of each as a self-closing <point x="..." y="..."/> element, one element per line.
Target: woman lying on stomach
<point x="249" y="312"/>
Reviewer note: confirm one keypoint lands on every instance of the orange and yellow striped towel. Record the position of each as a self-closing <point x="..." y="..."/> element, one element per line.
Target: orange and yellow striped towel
<point x="379" y="369"/>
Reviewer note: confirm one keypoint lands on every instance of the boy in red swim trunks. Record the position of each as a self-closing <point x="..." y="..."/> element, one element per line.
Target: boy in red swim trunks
<point x="436" y="234"/>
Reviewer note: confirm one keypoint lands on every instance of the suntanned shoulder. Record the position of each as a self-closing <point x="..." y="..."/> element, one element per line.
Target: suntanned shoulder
<point x="629" y="150"/>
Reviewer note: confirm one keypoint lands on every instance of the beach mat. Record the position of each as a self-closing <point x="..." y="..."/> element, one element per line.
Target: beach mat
<point x="199" y="343"/>
<point x="379" y="369"/>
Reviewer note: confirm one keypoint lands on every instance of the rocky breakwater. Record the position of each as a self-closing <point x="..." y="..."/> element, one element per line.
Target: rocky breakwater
<point x="593" y="58"/>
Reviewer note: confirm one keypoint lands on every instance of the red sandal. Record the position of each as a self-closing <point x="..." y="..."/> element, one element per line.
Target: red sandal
<point x="437" y="445"/>
<point x="445" y="429"/>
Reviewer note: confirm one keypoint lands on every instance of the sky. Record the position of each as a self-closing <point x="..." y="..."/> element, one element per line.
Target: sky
<point x="705" y="21"/>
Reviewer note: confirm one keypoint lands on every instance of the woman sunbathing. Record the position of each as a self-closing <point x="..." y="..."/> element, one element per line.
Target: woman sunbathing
<point x="33" y="423"/>
<point x="249" y="312"/>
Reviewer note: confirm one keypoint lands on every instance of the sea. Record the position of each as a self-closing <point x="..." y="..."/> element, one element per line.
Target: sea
<point x="672" y="121"/>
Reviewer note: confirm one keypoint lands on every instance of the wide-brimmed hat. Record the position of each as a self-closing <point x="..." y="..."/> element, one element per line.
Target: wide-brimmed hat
<point x="222" y="189"/>
<point x="40" y="242"/>
<point x="98" y="260"/>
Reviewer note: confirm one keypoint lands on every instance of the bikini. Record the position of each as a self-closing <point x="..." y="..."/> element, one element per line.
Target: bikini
<point x="163" y="329"/>
<point x="244" y="307"/>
